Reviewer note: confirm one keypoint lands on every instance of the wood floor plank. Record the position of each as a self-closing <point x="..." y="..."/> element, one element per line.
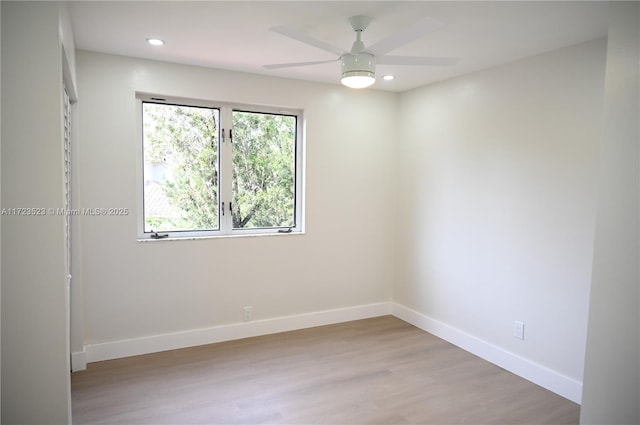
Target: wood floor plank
<point x="373" y="371"/>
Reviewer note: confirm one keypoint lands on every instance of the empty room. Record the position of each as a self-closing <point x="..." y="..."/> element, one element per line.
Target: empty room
<point x="320" y="212"/>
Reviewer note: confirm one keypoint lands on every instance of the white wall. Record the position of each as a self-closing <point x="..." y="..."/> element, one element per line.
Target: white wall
<point x="0" y="219"/>
<point x="134" y="289"/>
<point x="35" y="344"/>
<point x="612" y="369"/>
<point x="497" y="191"/>
<point x="0" y="222"/>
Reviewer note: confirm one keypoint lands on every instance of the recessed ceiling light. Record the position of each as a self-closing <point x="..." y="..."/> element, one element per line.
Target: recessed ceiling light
<point x="155" y="41"/>
<point x="388" y="77"/>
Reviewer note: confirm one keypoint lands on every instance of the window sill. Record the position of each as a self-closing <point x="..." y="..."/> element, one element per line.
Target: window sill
<point x="192" y="238"/>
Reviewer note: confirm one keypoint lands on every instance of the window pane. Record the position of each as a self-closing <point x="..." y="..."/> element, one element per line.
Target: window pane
<point x="263" y="170"/>
<point x="180" y="167"/>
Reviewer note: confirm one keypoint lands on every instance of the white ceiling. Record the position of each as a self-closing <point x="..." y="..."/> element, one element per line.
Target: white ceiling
<point x="234" y="35"/>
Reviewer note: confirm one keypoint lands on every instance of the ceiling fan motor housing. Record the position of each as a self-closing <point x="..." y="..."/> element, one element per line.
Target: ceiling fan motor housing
<point x="360" y="64"/>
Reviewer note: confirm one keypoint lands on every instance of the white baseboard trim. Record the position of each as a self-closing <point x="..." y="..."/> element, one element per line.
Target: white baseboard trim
<point x="78" y="361"/>
<point x="172" y="341"/>
<point x="538" y="374"/>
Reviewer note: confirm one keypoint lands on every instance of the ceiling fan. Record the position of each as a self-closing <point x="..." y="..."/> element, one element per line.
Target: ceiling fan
<point x="358" y="66"/>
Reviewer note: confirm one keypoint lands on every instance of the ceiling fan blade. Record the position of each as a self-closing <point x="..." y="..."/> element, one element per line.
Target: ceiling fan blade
<point x="413" y="60"/>
<point x="293" y="65"/>
<point x="303" y="38"/>
<point x="405" y="35"/>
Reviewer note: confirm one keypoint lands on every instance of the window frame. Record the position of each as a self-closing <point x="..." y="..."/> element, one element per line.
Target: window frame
<point x="225" y="168"/>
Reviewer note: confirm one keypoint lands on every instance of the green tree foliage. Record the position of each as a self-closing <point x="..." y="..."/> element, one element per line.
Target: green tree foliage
<point x="182" y="143"/>
<point x="263" y="170"/>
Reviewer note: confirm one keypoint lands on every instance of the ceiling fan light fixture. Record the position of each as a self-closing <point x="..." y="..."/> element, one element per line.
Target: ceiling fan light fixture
<point x="358" y="70"/>
<point x="358" y="80"/>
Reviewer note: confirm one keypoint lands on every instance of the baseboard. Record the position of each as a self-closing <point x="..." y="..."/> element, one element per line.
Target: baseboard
<point x="78" y="361"/>
<point x="538" y="374"/>
<point x="172" y="341"/>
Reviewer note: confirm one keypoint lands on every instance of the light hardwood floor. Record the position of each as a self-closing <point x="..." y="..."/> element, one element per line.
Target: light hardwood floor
<point x="373" y="371"/>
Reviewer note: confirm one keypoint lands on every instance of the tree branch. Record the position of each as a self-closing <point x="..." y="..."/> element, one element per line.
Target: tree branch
<point x="241" y="223"/>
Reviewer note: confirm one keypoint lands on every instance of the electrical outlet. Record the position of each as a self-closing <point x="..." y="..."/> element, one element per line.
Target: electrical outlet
<point x="247" y="312"/>
<point x="518" y="330"/>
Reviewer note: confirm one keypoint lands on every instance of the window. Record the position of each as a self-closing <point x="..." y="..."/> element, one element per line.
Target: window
<point x="218" y="169"/>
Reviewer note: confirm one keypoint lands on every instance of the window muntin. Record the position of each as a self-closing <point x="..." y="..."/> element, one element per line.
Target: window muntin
<point x="218" y="169"/>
